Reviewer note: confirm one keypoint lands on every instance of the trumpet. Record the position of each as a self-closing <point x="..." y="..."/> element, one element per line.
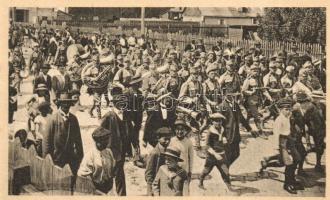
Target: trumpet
<point x="195" y="115"/>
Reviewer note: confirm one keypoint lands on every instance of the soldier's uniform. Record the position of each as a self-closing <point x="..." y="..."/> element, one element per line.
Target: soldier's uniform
<point x="244" y="70"/>
<point x="287" y="80"/>
<point x="253" y="92"/>
<point x="230" y="81"/>
<point x="211" y="89"/>
<point x="293" y="56"/>
<point x="36" y="60"/>
<point x="192" y="88"/>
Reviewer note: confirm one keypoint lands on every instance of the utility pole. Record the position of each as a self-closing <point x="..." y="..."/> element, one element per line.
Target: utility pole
<point x="142" y="20"/>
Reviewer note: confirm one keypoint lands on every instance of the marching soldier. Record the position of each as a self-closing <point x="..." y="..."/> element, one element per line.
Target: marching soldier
<point x="36" y="60"/>
<point x="123" y="75"/>
<point x="184" y="71"/>
<point x="302" y="84"/>
<point x="244" y="70"/>
<point x="293" y="56"/>
<point x="289" y="79"/>
<point x="93" y="73"/>
<point x="211" y="89"/>
<point x="191" y="90"/>
<point x="18" y="63"/>
<point x="253" y="91"/>
<point x="312" y="80"/>
<point x="230" y="81"/>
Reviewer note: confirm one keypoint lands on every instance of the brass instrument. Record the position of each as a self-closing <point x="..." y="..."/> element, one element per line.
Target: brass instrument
<point x="195" y="115"/>
<point x="101" y="81"/>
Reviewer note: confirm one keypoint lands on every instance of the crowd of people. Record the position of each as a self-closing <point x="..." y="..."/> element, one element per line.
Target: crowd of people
<point x="195" y="100"/>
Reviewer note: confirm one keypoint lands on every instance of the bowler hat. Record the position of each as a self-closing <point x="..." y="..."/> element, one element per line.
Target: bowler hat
<point x="45" y="66"/>
<point x="100" y="133"/>
<point x="211" y="67"/>
<point x="65" y="97"/>
<point x="173" y="152"/>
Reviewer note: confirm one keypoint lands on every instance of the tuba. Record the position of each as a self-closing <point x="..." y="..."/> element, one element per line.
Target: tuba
<point x="195" y="115"/>
<point x="102" y="80"/>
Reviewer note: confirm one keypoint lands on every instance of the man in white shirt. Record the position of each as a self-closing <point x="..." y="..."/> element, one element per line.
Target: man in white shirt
<point x="99" y="162"/>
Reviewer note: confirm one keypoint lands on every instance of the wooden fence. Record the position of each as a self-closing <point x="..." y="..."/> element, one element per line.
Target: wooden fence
<point x="269" y="47"/>
<point x="31" y="174"/>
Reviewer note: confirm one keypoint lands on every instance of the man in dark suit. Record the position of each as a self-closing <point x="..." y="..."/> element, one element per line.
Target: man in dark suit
<point x="62" y="139"/>
<point x="43" y="77"/>
<point x="118" y="123"/>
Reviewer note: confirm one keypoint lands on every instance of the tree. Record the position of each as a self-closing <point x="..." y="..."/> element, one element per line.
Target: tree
<point x="293" y="25"/>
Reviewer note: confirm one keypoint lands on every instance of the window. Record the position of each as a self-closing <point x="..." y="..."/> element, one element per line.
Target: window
<point x="254" y="21"/>
<point x="221" y="22"/>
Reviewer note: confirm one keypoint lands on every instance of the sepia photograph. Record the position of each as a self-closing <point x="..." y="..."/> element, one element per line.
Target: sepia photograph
<point x="167" y="101"/>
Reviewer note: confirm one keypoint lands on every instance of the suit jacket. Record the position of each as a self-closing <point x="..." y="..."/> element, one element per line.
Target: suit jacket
<point x="62" y="140"/>
<point x="119" y="139"/>
<point x="169" y="183"/>
<point x="154" y="161"/>
<point x="40" y="79"/>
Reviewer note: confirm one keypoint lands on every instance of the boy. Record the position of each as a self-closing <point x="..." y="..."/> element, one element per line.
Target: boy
<point x="156" y="157"/>
<point x="99" y="162"/>
<point x="170" y="177"/>
<point x="285" y="128"/>
<point x="215" y="156"/>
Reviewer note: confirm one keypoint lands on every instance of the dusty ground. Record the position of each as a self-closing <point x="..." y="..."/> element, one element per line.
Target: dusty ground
<point x="244" y="169"/>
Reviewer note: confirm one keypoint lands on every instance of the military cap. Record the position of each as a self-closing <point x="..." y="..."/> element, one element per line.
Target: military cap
<point x="254" y="67"/>
<point x="237" y="49"/>
<point x="285" y="103"/>
<point x="307" y="64"/>
<point x="252" y="48"/>
<point x="180" y="121"/>
<point x="100" y="133"/>
<point x="210" y="52"/>
<point x="290" y="68"/>
<point x="211" y="67"/>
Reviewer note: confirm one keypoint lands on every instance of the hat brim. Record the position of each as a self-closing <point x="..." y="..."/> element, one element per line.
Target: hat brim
<point x="41" y="89"/>
<point x="183" y="124"/>
<point x="172" y="156"/>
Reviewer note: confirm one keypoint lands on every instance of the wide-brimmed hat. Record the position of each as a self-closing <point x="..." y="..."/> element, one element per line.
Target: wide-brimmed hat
<point x="211" y="67"/>
<point x="100" y="133"/>
<point x="180" y="121"/>
<point x="173" y="152"/>
<point x="41" y="87"/>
